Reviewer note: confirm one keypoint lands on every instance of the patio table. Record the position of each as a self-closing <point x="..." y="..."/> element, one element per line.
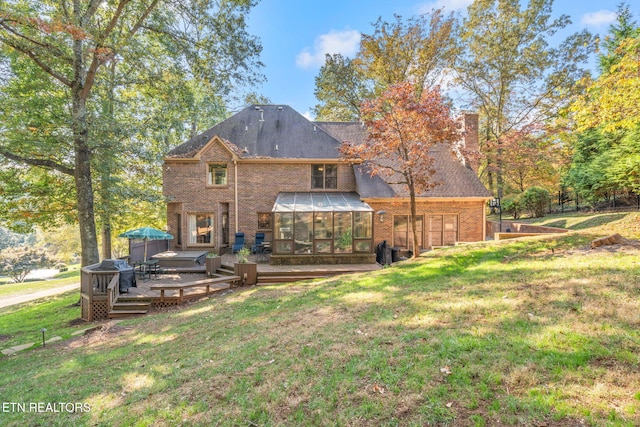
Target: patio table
<point x="264" y="249"/>
<point x="147" y="268"/>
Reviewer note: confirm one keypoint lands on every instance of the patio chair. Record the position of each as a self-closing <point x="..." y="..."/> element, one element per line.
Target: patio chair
<point x="259" y="241"/>
<point x="239" y="242"/>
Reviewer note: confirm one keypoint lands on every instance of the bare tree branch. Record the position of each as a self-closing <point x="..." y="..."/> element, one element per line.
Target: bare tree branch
<point x="45" y="67"/>
<point x="44" y="163"/>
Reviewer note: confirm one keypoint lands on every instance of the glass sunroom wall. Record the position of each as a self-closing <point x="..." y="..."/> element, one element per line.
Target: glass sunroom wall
<point x="283" y="232"/>
<point x="342" y="232"/>
<point x="323" y="232"/>
<point x="303" y="233"/>
<point x="362" y="231"/>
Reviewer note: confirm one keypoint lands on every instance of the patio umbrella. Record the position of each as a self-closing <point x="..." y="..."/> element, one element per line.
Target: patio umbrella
<point x="146" y="234"/>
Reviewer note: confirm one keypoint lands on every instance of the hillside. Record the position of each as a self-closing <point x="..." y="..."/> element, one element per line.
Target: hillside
<point x="536" y="332"/>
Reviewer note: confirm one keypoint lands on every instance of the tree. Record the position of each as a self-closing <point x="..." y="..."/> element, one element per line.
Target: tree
<point x="403" y="126"/>
<point x="624" y="28"/>
<point x="605" y="148"/>
<point x="512" y="74"/>
<point x="19" y="261"/>
<point x="528" y="156"/>
<point x="340" y="88"/>
<point x="535" y="200"/>
<point x="417" y="49"/>
<point x="613" y="100"/>
<point x="74" y="44"/>
<point x="9" y="239"/>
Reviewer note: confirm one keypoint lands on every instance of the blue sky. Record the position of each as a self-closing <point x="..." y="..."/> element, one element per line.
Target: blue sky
<point x="296" y="34"/>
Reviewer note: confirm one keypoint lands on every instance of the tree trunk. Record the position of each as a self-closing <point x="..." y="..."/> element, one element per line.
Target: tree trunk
<point x="414" y="210"/>
<point x="82" y="172"/>
<point x="84" y="187"/>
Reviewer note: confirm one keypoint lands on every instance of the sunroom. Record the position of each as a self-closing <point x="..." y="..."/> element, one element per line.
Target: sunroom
<point x="322" y="228"/>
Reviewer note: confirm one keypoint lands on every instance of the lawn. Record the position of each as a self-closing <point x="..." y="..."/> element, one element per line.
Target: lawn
<point x="537" y="332"/>
<point x="9" y="289"/>
<point x="626" y="223"/>
<point x="22" y="323"/>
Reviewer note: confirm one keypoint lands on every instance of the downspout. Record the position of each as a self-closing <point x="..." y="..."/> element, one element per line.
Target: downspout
<point x="235" y="192"/>
<point x="484" y="221"/>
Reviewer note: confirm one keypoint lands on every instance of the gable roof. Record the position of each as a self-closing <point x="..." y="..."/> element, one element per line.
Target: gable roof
<point x="267" y="131"/>
<point x="280" y="132"/>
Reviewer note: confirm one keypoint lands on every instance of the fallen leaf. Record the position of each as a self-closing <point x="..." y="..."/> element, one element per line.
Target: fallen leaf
<point x="449" y="404"/>
<point x="446" y="370"/>
<point x="377" y="388"/>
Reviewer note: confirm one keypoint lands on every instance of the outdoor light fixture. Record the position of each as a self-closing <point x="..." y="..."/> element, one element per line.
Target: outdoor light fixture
<point x="381" y="214"/>
<point x="43" y="330"/>
<point x="495" y="203"/>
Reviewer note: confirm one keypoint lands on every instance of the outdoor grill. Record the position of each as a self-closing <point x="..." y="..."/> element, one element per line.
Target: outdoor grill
<point x="127" y="273"/>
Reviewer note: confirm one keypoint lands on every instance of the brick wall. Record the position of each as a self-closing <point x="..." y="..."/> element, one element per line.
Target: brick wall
<point x="470" y="217"/>
<point x="184" y="186"/>
<point x="259" y="183"/>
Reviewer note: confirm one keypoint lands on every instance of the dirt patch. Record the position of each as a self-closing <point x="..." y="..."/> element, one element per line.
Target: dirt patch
<point x="99" y="334"/>
<point x="77" y="322"/>
<point x="4" y="337"/>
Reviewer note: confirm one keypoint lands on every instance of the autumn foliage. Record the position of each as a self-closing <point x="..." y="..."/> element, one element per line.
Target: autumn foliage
<point x="403" y="126"/>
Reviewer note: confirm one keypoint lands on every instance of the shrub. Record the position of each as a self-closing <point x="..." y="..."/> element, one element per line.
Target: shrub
<point x="512" y="205"/>
<point x="18" y="261"/>
<point x="242" y="256"/>
<point x="61" y="266"/>
<point x="535" y="200"/>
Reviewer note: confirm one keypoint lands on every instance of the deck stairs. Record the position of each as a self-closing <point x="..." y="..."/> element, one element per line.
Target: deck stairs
<point x="270" y="277"/>
<point x="127" y="306"/>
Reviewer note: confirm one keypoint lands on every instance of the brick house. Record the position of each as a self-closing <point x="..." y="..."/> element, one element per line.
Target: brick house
<point x="268" y="169"/>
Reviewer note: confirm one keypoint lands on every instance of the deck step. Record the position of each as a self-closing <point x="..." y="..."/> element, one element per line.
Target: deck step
<point x="126" y="313"/>
<point x="131" y="306"/>
<point x="226" y="270"/>
<point x="285" y="279"/>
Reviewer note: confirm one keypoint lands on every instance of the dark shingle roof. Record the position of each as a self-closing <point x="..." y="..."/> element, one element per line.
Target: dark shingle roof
<point x="346" y="131"/>
<point x="452" y="177"/>
<point x="272" y="131"/>
<point x="268" y="131"/>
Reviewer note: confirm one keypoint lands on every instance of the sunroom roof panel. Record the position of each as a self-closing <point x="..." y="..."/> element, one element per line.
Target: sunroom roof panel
<point x="320" y="202"/>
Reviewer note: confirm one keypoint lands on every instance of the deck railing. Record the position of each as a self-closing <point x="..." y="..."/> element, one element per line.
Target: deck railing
<point x="99" y="291"/>
<point x="113" y="290"/>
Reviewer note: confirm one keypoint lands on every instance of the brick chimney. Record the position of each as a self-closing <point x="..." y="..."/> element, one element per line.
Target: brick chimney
<point x="471" y="149"/>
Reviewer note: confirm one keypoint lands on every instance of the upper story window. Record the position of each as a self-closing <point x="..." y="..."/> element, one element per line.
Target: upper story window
<point x="217" y="174"/>
<point x="324" y="177"/>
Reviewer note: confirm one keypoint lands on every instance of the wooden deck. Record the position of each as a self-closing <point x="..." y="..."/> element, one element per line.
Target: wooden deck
<point x="181" y="259"/>
<point x="101" y="298"/>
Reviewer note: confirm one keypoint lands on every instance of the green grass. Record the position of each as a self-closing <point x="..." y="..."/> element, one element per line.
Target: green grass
<point x="21" y="324"/>
<point x="539" y="331"/>
<point x="626" y="223"/>
<point x="8" y="289"/>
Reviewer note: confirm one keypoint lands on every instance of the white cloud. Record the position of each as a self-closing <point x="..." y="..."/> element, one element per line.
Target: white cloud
<point x="449" y="5"/>
<point x="599" y="18"/>
<point x="345" y="42"/>
<point x="308" y="116"/>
